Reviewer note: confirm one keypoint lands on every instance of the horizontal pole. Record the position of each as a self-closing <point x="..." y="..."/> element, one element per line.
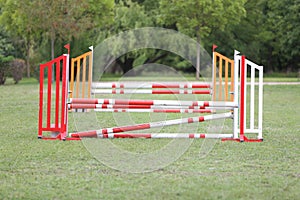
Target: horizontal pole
<point x="153" y="102"/>
<point x="142" y="91"/>
<point x="105" y="131"/>
<point x="142" y="85"/>
<point x="53" y="129"/>
<point x="120" y="106"/>
<point x="155" y="110"/>
<point x="89" y="53"/>
<point x="167" y="135"/>
<point x="109" y="106"/>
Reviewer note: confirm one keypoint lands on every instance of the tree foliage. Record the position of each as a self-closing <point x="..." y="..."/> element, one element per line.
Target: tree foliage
<point x="266" y="31"/>
<point x="6" y="49"/>
<point x="197" y="18"/>
<point x="17" y="19"/>
<point x="52" y="19"/>
<point x="286" y="24"/>
<point x="129" y="15"/>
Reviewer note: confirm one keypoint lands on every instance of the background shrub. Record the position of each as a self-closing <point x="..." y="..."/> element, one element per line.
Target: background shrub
<point x="17" y="67"/>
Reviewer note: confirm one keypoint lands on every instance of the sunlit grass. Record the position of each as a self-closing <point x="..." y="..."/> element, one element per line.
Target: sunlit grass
<point x="37" y="169"/>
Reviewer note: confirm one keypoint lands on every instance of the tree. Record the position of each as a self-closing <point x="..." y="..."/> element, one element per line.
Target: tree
<point x="196" y="18"/>
<point x="285" y="15"/>
<point x="128" y="15"/>
<point x="17" y="19"/>
<point x="52" y="19"/>
<point x="6" y="48"/>
<point x="249" y="36"/>
<point x="267" y="34"/>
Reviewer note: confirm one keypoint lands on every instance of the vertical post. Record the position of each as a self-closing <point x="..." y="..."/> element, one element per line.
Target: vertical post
<point x="40" y="132"/>
<point x="49" y="94"/>
<point x="72" y="77"/>
<point x="260" y="103"/>
<point x="83" y="76"/>
<point x="57" y="82"/>
<point x="77" y="78"/>
<point x="236" y="94"/>
<point x="226" y="80"/>
<point x="233" y="69"/>
<point x="214" y="75"/>
<point x="67" y="92"/>
<point x="90" y="71"/>
<point x="64" y="94"/>
<point x="220" y="77"/>
<point x="214" y="61"/>
<point x="242" y="101"/>
<point x="198" y="57"/>
<point x="252" y="97"/>
<point x="245" y="93"/>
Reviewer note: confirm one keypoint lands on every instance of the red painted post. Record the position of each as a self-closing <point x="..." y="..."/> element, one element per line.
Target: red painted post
<point x="40" y="132"/>
<point x="57" y="92"/>
<point x="49" y="92"/>
<point x="64" y="93"/>
<point x="242" y="99"/>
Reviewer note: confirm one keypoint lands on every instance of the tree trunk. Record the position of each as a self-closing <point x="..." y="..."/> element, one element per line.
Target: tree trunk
<point x="198" y="57"/>
<point x="52" y="54"/>
<point x="27" y="47"/>
<point x="2" y="78"/>
<point x="127" y="65"/>
<point x="27" y="61"/>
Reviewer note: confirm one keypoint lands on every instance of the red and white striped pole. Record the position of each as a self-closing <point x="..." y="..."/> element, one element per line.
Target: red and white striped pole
<point x="149" y="85"/>
<point x="139" y="91"/>
<point x="166" y="135"/>
<point x="104" y="132"/>
<point x="153" y="102"/>
<point x="155" y="110"/>
<point x="141" y="108"/>
<point x="120" y="106"/>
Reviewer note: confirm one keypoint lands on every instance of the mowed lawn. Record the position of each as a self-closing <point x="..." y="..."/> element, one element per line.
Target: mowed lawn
<point x="37" y="169"/>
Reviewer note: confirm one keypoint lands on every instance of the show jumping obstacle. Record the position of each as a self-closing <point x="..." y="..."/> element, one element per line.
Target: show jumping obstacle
<point x="81" y="65"/>
<point x="231" y="96"/>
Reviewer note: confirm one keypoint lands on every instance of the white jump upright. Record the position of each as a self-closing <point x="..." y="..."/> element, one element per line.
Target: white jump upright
<point x="229" y="92"/>
<point x="248" y="123"/>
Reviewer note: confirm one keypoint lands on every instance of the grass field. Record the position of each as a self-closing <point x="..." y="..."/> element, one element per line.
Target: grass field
<point x="36" y="169"/>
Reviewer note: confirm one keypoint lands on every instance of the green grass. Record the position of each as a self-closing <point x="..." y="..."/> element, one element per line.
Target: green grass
<point x="37" y="169"/>
<point x="281" y="79"/>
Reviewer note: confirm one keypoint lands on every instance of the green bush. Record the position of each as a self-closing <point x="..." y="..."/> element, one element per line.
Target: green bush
<point x="17" y="67"/>
<point x="4" y="68"/>
<point x="2" y="76"/>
